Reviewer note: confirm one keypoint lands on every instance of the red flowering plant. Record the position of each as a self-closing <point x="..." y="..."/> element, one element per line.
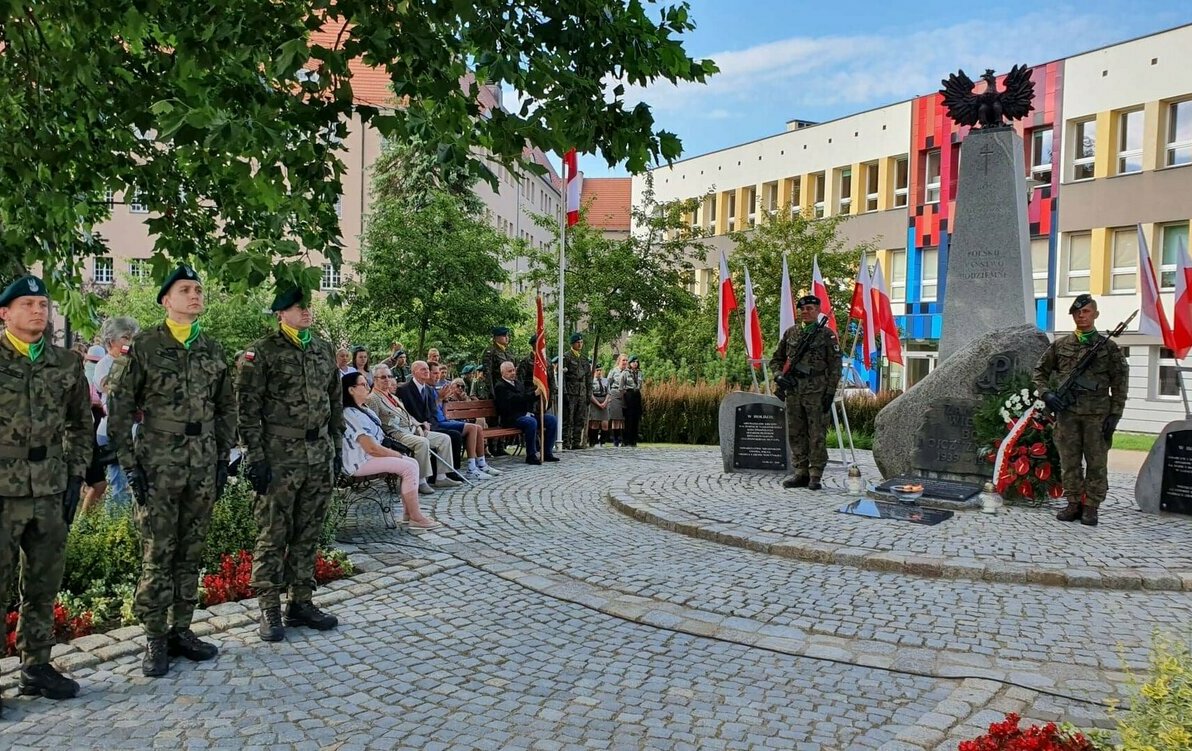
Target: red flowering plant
<point x="1030" y="470"/>
<point x="1008" y="736"/>
<point x="230" y="582"/>
<point x="67" y="626"/>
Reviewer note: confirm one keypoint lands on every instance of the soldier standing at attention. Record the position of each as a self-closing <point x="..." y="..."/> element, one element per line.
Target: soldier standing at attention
<point x="497" y="353"/>
<point x="815" y="377"/>
<point x="45" y="446"/>
<point x="291" y="421"/>
<point x="1084" y="430"/>
<point x="177" y="467"/>
<point x="577" y="393"/>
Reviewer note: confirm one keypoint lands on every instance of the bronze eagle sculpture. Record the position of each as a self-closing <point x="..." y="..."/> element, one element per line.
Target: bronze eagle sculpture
<point x="991" y="108"/>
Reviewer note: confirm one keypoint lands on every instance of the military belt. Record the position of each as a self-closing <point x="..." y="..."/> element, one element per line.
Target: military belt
<point x="30" y="453"/>
<point x="173" y="426"/>
<point x="285" y="431"/>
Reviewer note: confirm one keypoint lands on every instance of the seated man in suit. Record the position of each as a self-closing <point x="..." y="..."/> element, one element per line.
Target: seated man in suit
<point x="399" y="425"/>
<point x="515" y="407"/>
<point x="422" y="401"/>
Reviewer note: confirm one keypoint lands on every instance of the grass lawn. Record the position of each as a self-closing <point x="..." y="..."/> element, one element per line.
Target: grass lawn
<point x="1133" y="441"/>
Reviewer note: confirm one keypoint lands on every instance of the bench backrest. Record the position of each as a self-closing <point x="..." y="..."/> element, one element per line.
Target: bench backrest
<point x="470" y="410"/>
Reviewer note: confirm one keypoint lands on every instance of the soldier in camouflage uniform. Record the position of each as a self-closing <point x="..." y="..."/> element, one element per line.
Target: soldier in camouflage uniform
<point x="1084" y="430"/>
<point x="577" y="392"/>
<point x="291" y="421"/>
<point x="497" y="353"/>
<point x="808" y="402"/>
<point x="178" y="378"/>
<point x="45" y="445"/>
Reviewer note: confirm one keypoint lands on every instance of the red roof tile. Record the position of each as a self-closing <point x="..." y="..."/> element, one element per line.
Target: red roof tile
<point x="607" y="200"/>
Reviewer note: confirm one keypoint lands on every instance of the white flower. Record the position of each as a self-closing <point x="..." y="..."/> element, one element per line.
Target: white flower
<point x="1026" y="394"/>
<point x="1005" y="415"/>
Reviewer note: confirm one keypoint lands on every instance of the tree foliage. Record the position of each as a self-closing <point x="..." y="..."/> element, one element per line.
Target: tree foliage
<point x="226" y="121"/>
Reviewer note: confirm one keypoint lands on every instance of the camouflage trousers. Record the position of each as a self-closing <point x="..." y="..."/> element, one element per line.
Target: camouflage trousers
<point x="807" y="433"/>
<point x="1084" y="457"/>
<point x="173" y="521"/>
<point x="33" y="539"/>
<point x="575" y="420"/>
<point x="289" y="523"/>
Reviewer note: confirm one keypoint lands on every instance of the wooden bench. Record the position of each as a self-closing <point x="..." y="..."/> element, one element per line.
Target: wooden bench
<point x="377" y="489"/>
<point x="480" y="408"/>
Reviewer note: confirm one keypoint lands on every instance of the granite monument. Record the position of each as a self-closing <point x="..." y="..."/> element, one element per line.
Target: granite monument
<point x="1165" y="481"/>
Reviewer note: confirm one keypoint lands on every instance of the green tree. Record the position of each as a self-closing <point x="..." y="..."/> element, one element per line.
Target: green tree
<point x="228" y="123"/>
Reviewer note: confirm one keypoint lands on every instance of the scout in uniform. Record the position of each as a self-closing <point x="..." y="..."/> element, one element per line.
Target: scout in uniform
<point x="577" y="392"/>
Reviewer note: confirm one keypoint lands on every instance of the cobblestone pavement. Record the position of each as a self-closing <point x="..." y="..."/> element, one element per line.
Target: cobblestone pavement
<point x="544" y="618"/>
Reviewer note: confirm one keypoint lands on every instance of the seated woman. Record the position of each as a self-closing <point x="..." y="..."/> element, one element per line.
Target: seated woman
<point x="364" y="454"/>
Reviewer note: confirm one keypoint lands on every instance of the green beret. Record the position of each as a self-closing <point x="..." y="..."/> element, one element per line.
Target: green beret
<point x="633" y="359"/>
<point x="287" y="298"/>
<point x="25" y="286"/>
<point x="182" y="272"/>
<point x="1080" y="302"/>
<point x="577" y="337"/>
<point x="467" y="369"/>
<point x="807" y="300"/>
<point x="500" y="331"/>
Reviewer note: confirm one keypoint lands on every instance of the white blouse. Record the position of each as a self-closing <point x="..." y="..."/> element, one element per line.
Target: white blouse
<point x="359" y="422"/>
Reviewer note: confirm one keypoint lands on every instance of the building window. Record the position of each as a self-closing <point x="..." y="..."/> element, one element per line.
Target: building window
<point x="1172" y="238"/>
<point x="109" y="198"/>
<point x="1040" y="265"/>
<point x="1078" y="260"/>
<point x="135" y="206"/>
<point x="1179" y="133"/>
<point x="871" y="187"/>
<point x="710" y="213"/>
<point x="138" y="269"/>
<point x="1041" y="154"/>
<point x="1084" y="144"/>
<point x="771" y="197"/>
<point x="732" y="210"/>
<point x="898" y="276"/>
<point x="339" y="206"/>
<point x="103" y="270"/>
<point x="1124" y="271"/>
<point x="902" y="181"/>
<point x="1166" y="383"/>
<point x="751" y="199"/>
<point x="794" y="187"/>
<point x="930" y="275"/>
<point x="846" y="191"/>
<point x="331" y="278"/>
<point x="1130" y="142"/>
<point x="931" y="181"/>
<point x="818" y="180"/>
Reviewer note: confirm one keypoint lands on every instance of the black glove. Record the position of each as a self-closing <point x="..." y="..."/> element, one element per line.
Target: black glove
<point x="221" y="479"/>
<point x="260" y="475"/>
<point x="1053" y="402"/>
<point x="338" y="467"/>
<point x="70" y="499"/>
<point x="1108" y="425"/>
<point x="139" y="484"/>
<point x="828" y="399"/>
<point x="785" y="381"/>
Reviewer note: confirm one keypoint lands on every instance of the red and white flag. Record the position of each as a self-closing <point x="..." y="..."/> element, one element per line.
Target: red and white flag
<point x="861" y="309"/>
<point x="786" y="303"/>
<point x="753" y="325"/>
<point x="885" y="316"/>
<point x="541" y="377"/>
<point x="1182" y="330"/>
<point x="1154" y="319"/>
<point x="820" y="290"/>
<point x="728" y="303"/>
<point x="575" y="181"/>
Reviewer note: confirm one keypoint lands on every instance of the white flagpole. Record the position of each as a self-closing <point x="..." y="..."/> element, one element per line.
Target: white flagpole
<point x="562" y="275"/>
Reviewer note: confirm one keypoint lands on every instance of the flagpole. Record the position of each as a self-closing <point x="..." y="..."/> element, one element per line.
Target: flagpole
<point x="562" y="274"/>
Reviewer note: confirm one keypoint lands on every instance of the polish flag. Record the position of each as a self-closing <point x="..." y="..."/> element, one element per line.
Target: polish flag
<point x="786" y="303"/>
<point x="861" y="309"/>
<point x="1154" y="319"/>
<point x="820" y="290"/>
<point x="753" y="325"/>
<point x="575" y="181"/>
<point x="728" y="303"/>
<point x="1182" y="335"/>
<point x="885" y="316"/>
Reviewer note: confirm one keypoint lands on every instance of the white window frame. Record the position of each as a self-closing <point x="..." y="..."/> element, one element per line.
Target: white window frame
<point x="103" y="270"/>
<point x="139" y="269"/>
<point x="134" y="204"/>
<point x="932" y="190"/>
<point x="1158" y="362"/>
<point x="1170" y="268"/>
<point x="109" y="197"/>
<point x="1116" y="271"/>
<point x="897" y="287"/>
<point x="1172" y="147"/>
<point x="752" y="215"/>
<point x="1041" y="171"/>
<point x="1069" y="272"/>
<point x="1040" y="274"/>
<point x="796" y="193"/>
<point x="711" y="213"/>
<point x="844" y="204"/>
<point x="1123" y="133"/>
<point x="332" y="278"/>
<point x="1079" y="162"/>
<point x="731" y="211"/>
<point x="871" y="197"/>
<point x="771" y="198"/>
<point x="932" y="281"/>
<point x="902" y="193"/>
<point x="819" y="179"/>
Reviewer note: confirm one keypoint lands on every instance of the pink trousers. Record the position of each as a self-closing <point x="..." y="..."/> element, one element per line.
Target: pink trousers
<point x="403" y="466"/>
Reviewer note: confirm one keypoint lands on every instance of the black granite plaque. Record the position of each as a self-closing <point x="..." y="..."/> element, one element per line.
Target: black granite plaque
<point x="946" y="442"/>
<point x="946" y="490"/>
<point x="882" y="510"/>
<point x="760" y="437"/>
<point x="1176" y="493"/>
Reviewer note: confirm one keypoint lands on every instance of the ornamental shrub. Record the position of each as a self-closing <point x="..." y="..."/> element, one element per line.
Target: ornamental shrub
<point x="1160" y="714"/>
<point x="233" y="527"/>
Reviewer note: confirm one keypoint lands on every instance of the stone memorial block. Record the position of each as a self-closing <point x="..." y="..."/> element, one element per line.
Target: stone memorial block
<point x="1165" y="480"/>
<point x="753" y="433"/>
<point x="988" y="285"/>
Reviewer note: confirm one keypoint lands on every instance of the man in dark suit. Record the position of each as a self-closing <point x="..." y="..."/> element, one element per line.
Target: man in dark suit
<point x="421" y="401"/>
<point x="515" y="409"/>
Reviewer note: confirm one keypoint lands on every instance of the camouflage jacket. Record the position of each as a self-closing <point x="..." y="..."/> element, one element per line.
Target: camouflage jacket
<point x="47" y="411"/>
<point x="1102" y="388"/>
<point x="491" y="361"/>
<point x="525" y="374"/>
<point x="185" y="397"/>
<point x="818" y="370"/>
<point x="480" y="389"/>
<point x="287" y="392"/>
<point x="577" y="375"/>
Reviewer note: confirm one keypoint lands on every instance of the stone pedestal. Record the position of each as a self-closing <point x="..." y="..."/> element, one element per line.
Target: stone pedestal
<point x="989" y="284"/>
<point x="1165" y="480"/>
<point x="753" y="433"/>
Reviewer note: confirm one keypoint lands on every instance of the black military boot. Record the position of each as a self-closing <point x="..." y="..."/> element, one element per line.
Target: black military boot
<point x="798" y="481"/>
<point x="1069" y="513"/>
<point x="813" y="483"/>
<point x="306" y="614"/>
<point x="156" y="661"/>
<point x="183" y="643"/>
<point x="1089" y="517"/>
<point x="44" y="680"/>
<point x="271" y="628"/>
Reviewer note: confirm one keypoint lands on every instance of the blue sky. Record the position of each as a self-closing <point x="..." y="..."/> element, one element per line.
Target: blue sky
<point x="787" y="59"/>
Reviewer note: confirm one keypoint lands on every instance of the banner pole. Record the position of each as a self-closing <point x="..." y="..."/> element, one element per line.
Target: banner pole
<point x="562" y="281"/>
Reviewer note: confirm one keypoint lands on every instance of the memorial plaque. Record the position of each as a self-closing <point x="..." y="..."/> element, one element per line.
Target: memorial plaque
<point x="898" y="511"/>
<point x="946" y="442"/>
<point x="760" y="437"/>
<point x="944" y="490"/>
<point x="1176" y="493"/>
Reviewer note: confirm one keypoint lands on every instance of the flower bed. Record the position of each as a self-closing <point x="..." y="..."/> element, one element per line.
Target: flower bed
<point x="1008" y="736"/>
<point x="230" y="582"/>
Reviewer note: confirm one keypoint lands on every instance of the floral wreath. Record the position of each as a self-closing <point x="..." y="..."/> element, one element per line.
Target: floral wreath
<point x="1019" y="441"/>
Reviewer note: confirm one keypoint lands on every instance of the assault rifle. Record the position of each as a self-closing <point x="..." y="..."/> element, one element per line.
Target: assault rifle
<point x="1076" y="384"/>
<point x="792" y="372"/>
